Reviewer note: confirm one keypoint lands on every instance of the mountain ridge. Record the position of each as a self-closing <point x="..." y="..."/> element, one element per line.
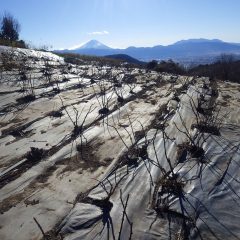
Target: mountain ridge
<point x="183" y="49"/>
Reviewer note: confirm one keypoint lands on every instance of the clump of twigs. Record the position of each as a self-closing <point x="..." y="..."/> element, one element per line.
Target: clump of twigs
<point x="170" y="184"/>
<point x="204" y="111"/>
<point x="26" y="99"/>
<point x="35" y="154"/>
<point x="103" y="111"/>
<point x="55" y="114"/>
<point x="176" y="98"/>
<point x="104" y="204"/>
<point x="65" y="79"/>
<point x="137" y="151"/>
<point x="78" y="128"/>
<point x="51" y="235"/>
<point x="194" y="151"/>
<point x="102" y="98"/>
<point x="47" y="71"/>
<point x="206" y="128"/>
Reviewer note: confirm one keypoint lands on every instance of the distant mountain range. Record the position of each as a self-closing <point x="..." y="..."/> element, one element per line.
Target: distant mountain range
<point x="184" y="51"/>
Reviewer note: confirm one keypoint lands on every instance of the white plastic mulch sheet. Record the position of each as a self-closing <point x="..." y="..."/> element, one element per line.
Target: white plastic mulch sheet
<point x="131" y="202"/>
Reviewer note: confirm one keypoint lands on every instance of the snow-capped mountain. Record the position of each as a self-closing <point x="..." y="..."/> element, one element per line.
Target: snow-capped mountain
<point x="93" y="44"/>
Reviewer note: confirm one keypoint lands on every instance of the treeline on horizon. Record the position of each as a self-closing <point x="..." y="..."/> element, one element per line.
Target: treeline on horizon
<point x="226" y="67"/>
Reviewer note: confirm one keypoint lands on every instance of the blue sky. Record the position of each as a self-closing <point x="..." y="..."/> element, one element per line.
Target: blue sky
<point x="123" y="23"/>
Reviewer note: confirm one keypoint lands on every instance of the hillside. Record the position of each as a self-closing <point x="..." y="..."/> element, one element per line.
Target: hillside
<point x="91" y="151"/>
<point x="125" y="58"/>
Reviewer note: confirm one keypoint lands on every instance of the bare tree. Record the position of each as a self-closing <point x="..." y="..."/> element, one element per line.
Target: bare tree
<point x="10" y="27"/>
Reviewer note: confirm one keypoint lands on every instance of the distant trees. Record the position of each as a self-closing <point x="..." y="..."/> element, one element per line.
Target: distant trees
<point x="152" y="65"/>
<point x="9" y="31"/>
<point x="166" y="66"/>
<point x="225" y="61"/>
<point x="226" y="67"/>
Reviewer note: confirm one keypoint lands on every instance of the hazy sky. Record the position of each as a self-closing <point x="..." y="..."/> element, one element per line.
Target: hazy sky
<point x="123" y="23"/>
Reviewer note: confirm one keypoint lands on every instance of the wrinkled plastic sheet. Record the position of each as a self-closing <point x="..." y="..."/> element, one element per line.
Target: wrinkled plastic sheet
<point x="208" y="206"/>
